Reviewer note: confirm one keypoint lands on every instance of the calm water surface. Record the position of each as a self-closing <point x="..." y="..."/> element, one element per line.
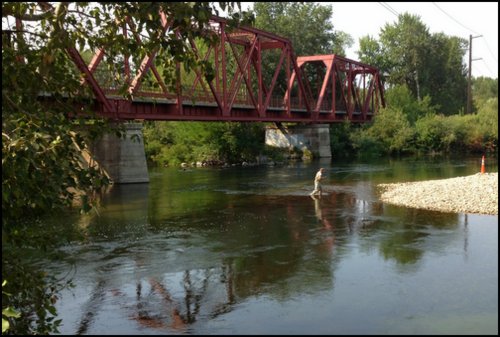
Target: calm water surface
<point x="245" y="250"/>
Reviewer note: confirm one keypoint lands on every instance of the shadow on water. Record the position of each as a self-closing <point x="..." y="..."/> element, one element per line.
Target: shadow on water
<point x="196" y="251"/>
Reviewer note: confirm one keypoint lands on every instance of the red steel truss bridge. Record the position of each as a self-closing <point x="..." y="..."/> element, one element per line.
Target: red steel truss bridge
<point x="310" y="89"/>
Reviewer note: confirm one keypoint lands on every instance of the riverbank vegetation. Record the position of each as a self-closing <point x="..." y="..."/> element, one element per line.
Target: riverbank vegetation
<point x="393" y="132"/>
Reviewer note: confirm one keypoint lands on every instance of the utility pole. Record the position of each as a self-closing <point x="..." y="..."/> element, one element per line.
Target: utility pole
<point x="469" y="88"/>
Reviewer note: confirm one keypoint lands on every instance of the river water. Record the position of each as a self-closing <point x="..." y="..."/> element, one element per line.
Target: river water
<point x="246" y="250"/>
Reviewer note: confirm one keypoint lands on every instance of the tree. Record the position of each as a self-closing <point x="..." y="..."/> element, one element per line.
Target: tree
<point x="307" y="24"/>
<point x="171" y="143"/>
<point x="428" y="64"/>
<point x="445" y="76"/>
<point x="483" y="89"/>
<point x="42" y="143"/>
<point x="406" y="44"/>
<point x="370" y="52"/>
<point x="400" y="96"/>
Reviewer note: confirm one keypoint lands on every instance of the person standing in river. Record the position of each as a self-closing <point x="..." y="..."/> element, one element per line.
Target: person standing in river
<point x="317" y="183"/>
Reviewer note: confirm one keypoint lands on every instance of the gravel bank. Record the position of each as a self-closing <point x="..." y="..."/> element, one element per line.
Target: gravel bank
<point x="477" y="193"/>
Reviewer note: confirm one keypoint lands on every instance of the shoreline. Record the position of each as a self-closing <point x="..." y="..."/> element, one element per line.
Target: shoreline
<point x="477" y="193"/>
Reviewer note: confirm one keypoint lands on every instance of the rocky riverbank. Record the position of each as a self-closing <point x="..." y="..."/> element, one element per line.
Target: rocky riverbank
<point x="477" y="193"/>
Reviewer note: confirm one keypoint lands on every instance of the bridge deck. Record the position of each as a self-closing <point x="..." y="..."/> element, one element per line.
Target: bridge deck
<point x="157" y="108"/>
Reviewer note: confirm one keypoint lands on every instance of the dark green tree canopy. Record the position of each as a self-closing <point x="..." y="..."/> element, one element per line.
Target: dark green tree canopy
<point x="307" y="24"/>
<point x="484" y="88"/>
<point x="428" y="64"/>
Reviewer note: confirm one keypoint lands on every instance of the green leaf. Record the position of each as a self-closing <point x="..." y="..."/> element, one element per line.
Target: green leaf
<point x="5" y="325"/>
<point x="9" y="312"/>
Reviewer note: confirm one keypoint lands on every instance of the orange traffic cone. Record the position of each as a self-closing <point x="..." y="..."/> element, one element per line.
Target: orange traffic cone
<point x="482" y="166"/>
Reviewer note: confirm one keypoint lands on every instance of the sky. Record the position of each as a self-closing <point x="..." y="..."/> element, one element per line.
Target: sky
<point x="451" y="18"/>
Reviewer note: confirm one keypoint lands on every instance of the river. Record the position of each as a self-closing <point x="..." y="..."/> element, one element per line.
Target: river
<point x="246" y="250"/>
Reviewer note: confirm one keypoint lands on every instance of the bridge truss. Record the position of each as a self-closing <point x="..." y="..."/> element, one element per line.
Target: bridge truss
<point x="256" y="77"/>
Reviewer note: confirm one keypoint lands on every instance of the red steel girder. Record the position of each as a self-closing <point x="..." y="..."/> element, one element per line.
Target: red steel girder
<point x="239" y="90"/>
<point x="359" y="102"/>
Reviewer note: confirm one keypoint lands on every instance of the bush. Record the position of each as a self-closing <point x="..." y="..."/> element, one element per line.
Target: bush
<point x="277" y="154"/>
<point x="340" y="141"/>
<point x="390" y="133"/>
<point x="400" y="97"/>
<point x="433" y="133"/>
<point x="367" y="145"/>
<point x="171" y="143"/>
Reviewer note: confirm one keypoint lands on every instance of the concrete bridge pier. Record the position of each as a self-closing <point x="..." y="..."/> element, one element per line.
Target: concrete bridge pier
<point x="314" y="137"/>
<point x="123" y="158"/>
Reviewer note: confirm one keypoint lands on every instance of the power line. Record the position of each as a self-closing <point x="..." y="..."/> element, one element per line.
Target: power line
<point x="448" y="15"/>
<point x="488" y="47"/>
<point x="480" y="70"/>
<point x="385" y="3"/>
<point x="486" y="65"/>
<point x="389" y="9"/>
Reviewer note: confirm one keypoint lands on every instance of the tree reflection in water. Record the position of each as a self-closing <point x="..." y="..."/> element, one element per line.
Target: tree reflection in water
<point x="236" y="247"/>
